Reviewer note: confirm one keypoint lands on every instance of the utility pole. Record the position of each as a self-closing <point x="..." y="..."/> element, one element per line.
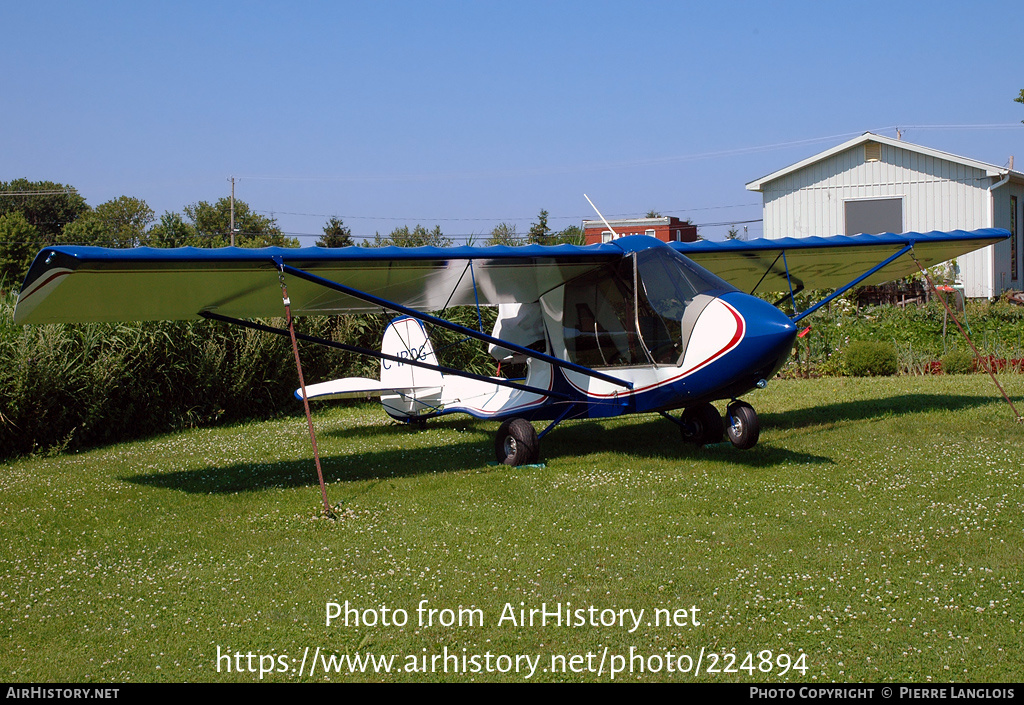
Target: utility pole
<point x="232" y="226"/>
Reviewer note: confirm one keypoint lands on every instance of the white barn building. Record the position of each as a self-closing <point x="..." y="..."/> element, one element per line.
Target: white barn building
<point x="875" y="184"/>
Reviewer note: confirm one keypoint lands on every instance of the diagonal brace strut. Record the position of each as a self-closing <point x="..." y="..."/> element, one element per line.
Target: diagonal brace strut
<point x="427" y="318"/>
<point x="839" y="292"/>
<point x="501" y="382"/>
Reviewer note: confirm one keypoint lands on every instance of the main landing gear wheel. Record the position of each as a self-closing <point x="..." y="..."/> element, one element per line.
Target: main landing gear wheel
<point x="516" y="443"/>
<point x="742" y="425"/>
<point x="701" y="424"/>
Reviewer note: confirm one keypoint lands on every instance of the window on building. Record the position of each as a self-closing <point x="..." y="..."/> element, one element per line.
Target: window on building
<point x="1013" y="238"/>
<point x="606" y="236"/>
<point x="874" y="215"/>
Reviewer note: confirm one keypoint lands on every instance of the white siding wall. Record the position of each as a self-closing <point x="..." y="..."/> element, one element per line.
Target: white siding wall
<point x="976" y="272"/>
<point x="937" y="195"/>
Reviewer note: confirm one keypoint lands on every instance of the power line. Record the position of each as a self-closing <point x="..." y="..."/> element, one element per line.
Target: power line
<point x="729" y="222"/>
<point x="423" y="219"/>
<point x="39" y="193"/>
<point x="991" y="126"/>
<point x="544" y="171"/>
<point x="484" y="235"/>
<point x="610" y="166"/>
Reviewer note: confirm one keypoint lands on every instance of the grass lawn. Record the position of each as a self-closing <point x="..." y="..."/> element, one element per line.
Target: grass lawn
<point x="874" y="534"/>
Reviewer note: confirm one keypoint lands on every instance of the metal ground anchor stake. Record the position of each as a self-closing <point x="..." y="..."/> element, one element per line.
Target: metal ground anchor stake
<point x="977" y="355"/>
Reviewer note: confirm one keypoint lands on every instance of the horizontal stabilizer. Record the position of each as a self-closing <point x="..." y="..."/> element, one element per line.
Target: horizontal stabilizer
<point x="352" y="388"/>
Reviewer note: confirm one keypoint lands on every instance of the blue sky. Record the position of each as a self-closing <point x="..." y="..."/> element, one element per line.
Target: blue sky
<point x="466" y="114"/>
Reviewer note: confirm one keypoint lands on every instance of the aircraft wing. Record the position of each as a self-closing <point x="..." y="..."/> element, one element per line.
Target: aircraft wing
<point x="757" y="266"/>
<point x="84" y="284"/>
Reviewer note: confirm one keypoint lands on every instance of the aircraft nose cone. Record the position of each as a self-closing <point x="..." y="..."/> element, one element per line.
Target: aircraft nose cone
<point x="767" y="340"/>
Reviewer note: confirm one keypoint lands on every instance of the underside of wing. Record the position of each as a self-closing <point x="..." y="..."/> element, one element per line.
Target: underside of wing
<point x="764" y="266"/>
<point x="83" y="284"/>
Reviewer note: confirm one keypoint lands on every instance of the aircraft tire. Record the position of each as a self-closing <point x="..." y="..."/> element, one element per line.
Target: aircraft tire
<point x="701" y="424"/>
<point x="742" y="425"/>
<point x="516" y="443"/>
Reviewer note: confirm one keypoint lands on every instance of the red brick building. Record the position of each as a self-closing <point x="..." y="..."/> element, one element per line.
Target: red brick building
<point x="667" y="229"/>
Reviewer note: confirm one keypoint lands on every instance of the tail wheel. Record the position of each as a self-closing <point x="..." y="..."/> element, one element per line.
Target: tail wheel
<point x="701" y="424"/>
<point x="742" y="425"/>
<point x="516" y="443"/>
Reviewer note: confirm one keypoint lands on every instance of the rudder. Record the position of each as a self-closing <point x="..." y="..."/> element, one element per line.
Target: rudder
<point x="407" y="337"/>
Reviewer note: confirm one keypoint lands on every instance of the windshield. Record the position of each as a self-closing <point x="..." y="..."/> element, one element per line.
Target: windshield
<point x="669" y="278"/>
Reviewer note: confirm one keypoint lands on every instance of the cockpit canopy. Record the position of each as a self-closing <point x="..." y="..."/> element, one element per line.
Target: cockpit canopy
<point x="640" y="311"/>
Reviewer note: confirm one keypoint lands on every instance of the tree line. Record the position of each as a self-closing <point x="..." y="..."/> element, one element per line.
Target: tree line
<point x="38" y="214"/>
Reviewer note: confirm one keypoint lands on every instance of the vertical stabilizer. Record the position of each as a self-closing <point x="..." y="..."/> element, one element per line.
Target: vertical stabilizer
<point x="407" y="338"/>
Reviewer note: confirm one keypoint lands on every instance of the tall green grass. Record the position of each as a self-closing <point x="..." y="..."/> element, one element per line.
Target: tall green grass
<point x="73" y="386"/>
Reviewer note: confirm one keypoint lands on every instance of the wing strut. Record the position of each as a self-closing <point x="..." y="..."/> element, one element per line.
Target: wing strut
<point x="839" y="292"/>
<point x="412" y="313"/>
<point x="789" y="281"/>
<point x="769" y="271"/>
<point x="384" y="356"/>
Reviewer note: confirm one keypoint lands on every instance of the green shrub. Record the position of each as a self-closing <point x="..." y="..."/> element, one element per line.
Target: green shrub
<point x="831" y="366"/>
<point x="870" y="358"/>
<point x="958" y="362"/>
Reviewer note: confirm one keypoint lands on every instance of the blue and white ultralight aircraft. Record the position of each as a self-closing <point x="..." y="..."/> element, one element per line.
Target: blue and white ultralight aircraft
<point x="635" y="325"/>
